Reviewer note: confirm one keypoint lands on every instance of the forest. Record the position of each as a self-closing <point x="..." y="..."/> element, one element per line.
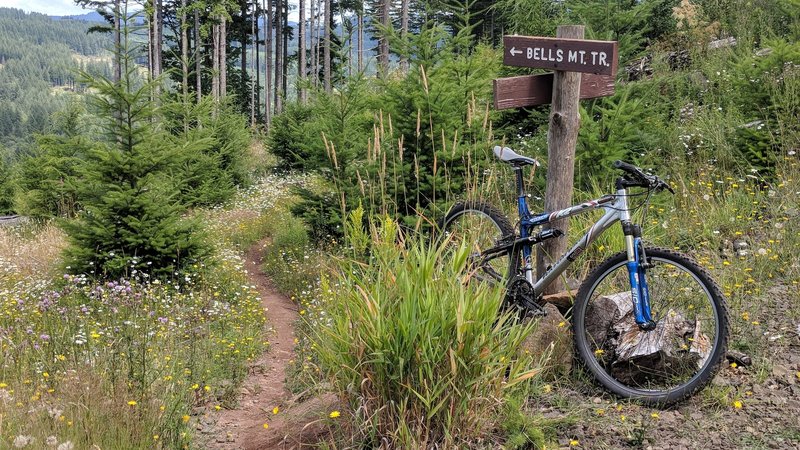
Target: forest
<point x="223" y="212"/>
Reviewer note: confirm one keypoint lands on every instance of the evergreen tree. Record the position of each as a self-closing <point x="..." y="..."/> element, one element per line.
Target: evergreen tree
<point x="131" y="218"/>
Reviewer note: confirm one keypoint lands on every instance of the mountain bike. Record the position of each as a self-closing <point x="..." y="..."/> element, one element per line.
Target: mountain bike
<point x="649" y="323"/>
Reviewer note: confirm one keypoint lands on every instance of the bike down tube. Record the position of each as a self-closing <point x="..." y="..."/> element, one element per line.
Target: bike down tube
<point x="612" y="215"/>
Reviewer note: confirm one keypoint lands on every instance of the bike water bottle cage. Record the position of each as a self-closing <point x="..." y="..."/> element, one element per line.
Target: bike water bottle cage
<point x="505" y="154"/>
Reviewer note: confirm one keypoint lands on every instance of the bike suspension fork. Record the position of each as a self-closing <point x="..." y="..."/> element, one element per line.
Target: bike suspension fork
<point x="640" y="294"/>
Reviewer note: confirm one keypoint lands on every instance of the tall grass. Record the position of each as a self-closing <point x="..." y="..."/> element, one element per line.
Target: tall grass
<point x="424" y="360"/>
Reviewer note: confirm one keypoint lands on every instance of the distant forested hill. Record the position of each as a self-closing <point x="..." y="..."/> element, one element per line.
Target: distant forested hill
<point x="39" y="63"/>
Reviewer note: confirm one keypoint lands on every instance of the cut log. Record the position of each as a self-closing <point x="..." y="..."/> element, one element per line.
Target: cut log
<point x="677" y="346"/>
<point x="563" y="300"/>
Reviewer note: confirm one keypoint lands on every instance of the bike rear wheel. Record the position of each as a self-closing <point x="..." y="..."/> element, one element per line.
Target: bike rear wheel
<point x="669" y="363"/>
<point x="480" y="226"/>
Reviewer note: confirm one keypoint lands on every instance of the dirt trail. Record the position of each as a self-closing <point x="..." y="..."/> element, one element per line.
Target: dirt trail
<point x="265" y="386"/>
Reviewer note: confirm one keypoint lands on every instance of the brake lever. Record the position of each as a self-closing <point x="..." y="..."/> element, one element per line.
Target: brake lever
<point x="661" y="185"/>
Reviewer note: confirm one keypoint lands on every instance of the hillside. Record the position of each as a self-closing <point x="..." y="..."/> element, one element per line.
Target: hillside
<point x="38" y="54"/>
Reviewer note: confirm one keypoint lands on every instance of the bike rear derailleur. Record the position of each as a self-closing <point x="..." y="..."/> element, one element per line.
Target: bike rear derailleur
<point x="520" y="296"/>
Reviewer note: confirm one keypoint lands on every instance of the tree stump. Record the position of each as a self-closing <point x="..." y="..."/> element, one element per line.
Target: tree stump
<point x="675" y="348"/>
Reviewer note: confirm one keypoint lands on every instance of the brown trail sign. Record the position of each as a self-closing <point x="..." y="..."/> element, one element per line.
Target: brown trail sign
<point x="569" y="55"/>
<point x="572" y="55"/>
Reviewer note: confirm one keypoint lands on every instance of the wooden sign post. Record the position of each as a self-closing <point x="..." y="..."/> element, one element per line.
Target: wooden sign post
<point x="569" y="55"/>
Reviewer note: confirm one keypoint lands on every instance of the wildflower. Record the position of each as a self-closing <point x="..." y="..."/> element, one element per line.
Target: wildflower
<point x="733" y="365"/>
<point x="737" y="404"/>
<point x="185" y="418"/>
<point x="599" y="352"/>
<point x="22" y="441"/>
<point x="275" y="410"/>
<point x="155" y="437"/>
<point x="131" y="402"/>
<point x="3" y="385"/>
<point x="655" y="415"/>
<point x="217" y="407"/>
<point x="622" y="418"/>
<point x="266" y="425"/>
<point x="574" y="443"/>
<point x="562" y="324"/>
<point x="334" y="414"/>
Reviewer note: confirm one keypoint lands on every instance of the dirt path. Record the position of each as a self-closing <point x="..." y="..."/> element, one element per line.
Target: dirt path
<point x="265" y="386"/>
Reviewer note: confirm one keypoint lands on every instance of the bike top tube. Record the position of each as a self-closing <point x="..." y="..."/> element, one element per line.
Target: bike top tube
<point x="528" y="220"/>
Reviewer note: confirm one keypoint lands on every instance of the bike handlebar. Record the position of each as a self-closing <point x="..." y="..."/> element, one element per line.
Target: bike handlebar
<point x="642" y="179"/>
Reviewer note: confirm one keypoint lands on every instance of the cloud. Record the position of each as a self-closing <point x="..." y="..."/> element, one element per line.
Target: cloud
<point x="49" y="7"/>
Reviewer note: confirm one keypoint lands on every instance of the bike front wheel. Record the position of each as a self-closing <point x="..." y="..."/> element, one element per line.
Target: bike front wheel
<point x="669" y="363"/>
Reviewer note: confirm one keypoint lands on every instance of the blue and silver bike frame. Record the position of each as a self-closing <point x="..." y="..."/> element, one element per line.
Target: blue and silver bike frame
<point x="616" y="210"/>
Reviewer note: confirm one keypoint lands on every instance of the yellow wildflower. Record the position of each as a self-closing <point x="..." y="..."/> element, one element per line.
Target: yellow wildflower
<point x="334" y="414"/>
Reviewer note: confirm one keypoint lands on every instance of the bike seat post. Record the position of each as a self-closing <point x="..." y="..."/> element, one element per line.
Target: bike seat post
<point x="521" y="195"/>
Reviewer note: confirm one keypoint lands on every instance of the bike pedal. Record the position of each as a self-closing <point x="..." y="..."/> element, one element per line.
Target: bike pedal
<point x="534" y="310"/>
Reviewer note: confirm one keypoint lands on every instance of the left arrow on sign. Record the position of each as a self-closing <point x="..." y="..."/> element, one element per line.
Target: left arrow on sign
<point x="515" y="52"/>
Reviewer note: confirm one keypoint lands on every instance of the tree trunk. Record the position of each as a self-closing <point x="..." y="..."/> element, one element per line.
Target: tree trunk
<point x="383" y="42"/>
<point x="268" y="63"/>
<point x="404" y="32"/>
<point x="326" y="56"/>
<point x="562" y="138"/>
<point x="256" y="16"/>
<point x="254" y="60"/>
<point x="198" y="63"/>
<point x="117" y="42"/>
<point x="215" y="72"/>
<point x="279" y="55"/>
<point x="301" y="59"/>
<point x="243" y="47"/>
<point x="285" y="70"/>
<point x="223" y="58"/>
<point x="159" y="41"/>
<point x="318" y="43"/>
<point x="184" y="52"/>
<point x="361" y="37"/>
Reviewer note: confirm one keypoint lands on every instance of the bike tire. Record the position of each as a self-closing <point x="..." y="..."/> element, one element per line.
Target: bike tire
<point x="684" y="283"/>
<point x="481" y="226"/>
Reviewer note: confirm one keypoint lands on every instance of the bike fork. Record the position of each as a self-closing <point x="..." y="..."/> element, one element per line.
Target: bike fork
<point x="640" y="295"/>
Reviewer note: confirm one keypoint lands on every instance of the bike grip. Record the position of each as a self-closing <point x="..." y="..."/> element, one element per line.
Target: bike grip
<point x="624" y="166"/>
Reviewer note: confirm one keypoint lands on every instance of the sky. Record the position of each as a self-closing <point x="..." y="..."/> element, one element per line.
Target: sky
<point x="49" y="7"/>
<point x="68" y="8"/>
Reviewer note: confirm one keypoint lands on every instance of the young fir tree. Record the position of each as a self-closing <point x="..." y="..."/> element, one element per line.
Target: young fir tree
<point x="131" y="219"/>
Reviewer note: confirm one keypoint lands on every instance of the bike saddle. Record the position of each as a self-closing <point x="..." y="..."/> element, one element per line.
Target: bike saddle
<point x="505" y="154"/>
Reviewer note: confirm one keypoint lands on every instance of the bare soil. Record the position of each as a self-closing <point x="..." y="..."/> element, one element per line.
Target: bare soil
<point x="265" y="386"/>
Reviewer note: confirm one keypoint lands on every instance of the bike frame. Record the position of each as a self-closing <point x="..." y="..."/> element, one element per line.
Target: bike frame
<point x="616" y="210"/>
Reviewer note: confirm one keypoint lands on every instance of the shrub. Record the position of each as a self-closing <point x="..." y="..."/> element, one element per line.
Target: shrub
<point x="218" y="139"/>
<point x="6" y="189"/>
<point x="424" y="360"/>
<point x="48" y="180"/>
